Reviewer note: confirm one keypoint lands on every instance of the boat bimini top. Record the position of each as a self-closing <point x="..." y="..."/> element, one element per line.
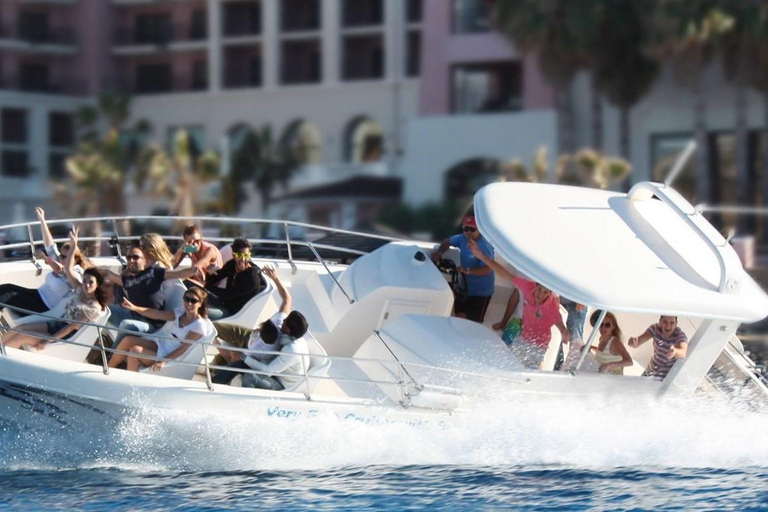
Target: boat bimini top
<point x="646" y="251"/>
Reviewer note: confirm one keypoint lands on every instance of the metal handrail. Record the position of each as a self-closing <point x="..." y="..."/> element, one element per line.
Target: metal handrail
<point x="320" y="259"/>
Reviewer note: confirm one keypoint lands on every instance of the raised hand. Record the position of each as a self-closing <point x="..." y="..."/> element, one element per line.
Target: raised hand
<point x="270" y="272"/>
<point x="40" y="214"/>
<point x="73" y="234"/>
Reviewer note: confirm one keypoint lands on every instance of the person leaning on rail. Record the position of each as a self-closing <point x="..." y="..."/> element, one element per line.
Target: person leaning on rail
<point x="257" y="341"/>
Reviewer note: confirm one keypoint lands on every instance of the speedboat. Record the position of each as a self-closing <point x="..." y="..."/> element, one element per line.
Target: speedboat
<point x="383" y="345"/>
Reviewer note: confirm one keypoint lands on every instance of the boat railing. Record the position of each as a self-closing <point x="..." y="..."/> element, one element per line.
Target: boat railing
<point x="397" y="369"/>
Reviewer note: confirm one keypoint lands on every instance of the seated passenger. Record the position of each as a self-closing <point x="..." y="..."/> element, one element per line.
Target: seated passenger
<point x="669" y="344"/>
<point x="86" y="305"/>
<point x="290" y="365"/>
<point x="257" y="341"/>
<point x="610" y="352"/>
<point x="203" y="254"/>
<point x="56" y="285"/>
<point x="244" y="282"/>
<point x="541" y="310"/>
<point x="156" y="251"/>
<point x="189" y="324"/>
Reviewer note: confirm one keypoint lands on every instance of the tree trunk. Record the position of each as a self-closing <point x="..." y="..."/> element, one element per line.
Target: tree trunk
<point x="703" y="180"/>
<point x="624" y="129"/>
<point x="597" y="117"/>
<point x="742" y="159"/>
<point x="564" y="107"/>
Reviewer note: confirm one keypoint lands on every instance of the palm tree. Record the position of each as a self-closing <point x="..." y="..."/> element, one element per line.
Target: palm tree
<point x="261" y="160"/>
<point x="178" y="174"/>
<point x="622" y="68"/>
<point x="558" y="32"/>
<point x="690" y="33"/>
<point x="741" y="45"/>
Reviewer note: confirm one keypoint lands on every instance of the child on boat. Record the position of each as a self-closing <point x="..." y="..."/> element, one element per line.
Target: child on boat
<point x="541" y="310"/>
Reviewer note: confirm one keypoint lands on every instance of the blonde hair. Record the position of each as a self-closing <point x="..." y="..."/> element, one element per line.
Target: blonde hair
<point x="154" y="248"/>
<point x="616" y="329"/>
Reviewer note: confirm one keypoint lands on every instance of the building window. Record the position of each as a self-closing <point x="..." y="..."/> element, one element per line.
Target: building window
<point x="153" y="29"/>
<point x="466" y="178"/>
<point x="486" y="88"/>
<point x="242" y="18"/>
<point x="33" y="27"/>
<point x="198" y="29"/>
<point x="361" y="13"/>
<point x="472" y="16"/>
<point x="153" y="78"/>
<point x="413" y="53"/>
<point x="414" y="11"/>
<point x="15" y="163"/>
<point x="303" y="139"/>
<point x="14" y="125"/>
<point x="61" y="129"/>
<point x="199" y="75"/>
<point x="242" y="66"/>
<point x="34" y="77"/>
<point x="300" y="15"/>
<point x="363" y="141"/>
<point x="301" y="62"/>
<point x="363" y="57"/>
<point x="665" y="149"/>
<point x="57" y="165"/>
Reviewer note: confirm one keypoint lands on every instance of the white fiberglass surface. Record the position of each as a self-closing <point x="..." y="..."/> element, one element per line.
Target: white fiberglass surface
<point x="600" y="248"/>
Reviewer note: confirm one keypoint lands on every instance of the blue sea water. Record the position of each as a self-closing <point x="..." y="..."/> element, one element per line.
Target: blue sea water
<point x="511" y="454"/>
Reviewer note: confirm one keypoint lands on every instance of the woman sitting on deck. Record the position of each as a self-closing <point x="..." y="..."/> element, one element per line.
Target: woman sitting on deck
<point x="190" y="323"/>
<point x="86" y="305"/>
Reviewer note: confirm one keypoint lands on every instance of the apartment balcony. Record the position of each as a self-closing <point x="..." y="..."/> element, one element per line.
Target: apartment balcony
<point x="48" y="2"/>
<point x="49" y="41"/>
<point x="177" y="38"/>
<point x="158" y="84"/>
<point x="66" y="87"/>
<point x="154" y="2"/>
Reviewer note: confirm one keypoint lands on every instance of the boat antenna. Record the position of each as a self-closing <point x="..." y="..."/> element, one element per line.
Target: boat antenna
<point x="680" y="162"/>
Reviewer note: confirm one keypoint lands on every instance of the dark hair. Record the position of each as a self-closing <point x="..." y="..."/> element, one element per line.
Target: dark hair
<point x="268" y="331"/>
<point x="103" y="293"/>
<point x="191" y="230"/>
<point x="202" y="295"/>
<point x="296" y="324"/>
<point x="240" y="244"/>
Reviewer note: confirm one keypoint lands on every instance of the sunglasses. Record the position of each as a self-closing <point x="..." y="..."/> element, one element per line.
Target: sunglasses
<point x="243" y="256"/>
<point x="191" y="300"/>
<point x="607" y="325"/>
<point x="468" y="229"/>
<point x="133" y="257"/>
<point x="194" y="242"/>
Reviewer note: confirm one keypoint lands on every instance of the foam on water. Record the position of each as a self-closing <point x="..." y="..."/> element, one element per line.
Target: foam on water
<point x="508" y="430"/>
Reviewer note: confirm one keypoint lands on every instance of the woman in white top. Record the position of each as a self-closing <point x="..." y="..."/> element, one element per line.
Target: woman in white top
<point x="190" y="323"/>
<point x="56" y="285"/>
<point x="610" y="352"/>
<point x="86" y="305"/>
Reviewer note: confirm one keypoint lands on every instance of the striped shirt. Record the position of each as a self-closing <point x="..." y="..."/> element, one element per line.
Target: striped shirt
<point x="661" y="362"/>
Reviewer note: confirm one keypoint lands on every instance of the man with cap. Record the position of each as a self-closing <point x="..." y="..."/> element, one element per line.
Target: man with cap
<point x="479" y="276"/>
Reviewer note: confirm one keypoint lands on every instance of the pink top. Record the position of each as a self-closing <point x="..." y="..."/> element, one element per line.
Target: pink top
<point x="537" y="320"/>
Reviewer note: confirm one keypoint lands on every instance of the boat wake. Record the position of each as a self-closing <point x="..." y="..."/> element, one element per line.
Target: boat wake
<point x="507" y="430"/>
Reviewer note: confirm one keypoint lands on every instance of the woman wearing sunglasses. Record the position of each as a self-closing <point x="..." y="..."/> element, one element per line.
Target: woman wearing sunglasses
<point x="610" y="352"/>
<point x="190" y="323"/>
<point x="86" y="304"/>
<point x="56" y="285"/>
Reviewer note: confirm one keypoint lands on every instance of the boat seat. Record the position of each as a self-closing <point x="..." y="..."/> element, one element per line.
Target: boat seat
<point x="174" y="290"/>
<point x="184" y="366"/>
<point x="319" y="363"/>
<point x="75" y="348"/>
<point x="249" y="314"/>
